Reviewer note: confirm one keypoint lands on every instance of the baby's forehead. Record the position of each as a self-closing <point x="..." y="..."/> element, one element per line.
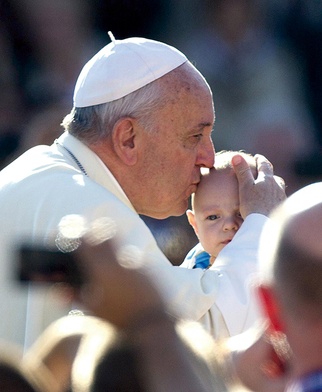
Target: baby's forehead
<point x="216" y="179"/>
<point x="213" y="174"/>
<point x="216" y="185"/>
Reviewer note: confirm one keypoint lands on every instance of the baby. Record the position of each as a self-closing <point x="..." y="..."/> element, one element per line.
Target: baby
<point x="215" y="215"/>
<point x="215" y="218"/>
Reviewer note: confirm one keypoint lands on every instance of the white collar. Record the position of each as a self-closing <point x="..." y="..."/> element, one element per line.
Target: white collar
<point x="93" y="166"/>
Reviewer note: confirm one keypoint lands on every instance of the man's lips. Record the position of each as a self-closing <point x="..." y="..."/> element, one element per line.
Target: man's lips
<point x="196" y="182"/>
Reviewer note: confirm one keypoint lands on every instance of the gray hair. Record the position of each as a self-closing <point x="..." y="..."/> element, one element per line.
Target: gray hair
<point x="94" y="123"/>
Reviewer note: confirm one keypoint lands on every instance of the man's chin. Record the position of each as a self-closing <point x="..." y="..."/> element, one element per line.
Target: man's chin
<point x="174" y="212"/>
<point x="181" y="209"/>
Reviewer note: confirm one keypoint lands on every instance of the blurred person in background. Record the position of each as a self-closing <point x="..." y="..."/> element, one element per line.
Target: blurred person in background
<point x="129" y="343"/>
<point x="289" y="289"/>
<point x="298" y="24"/>
<point x="43" y="45"/>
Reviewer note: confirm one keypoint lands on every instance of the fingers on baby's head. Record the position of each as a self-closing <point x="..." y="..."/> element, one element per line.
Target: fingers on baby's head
<point x="223" y="160"/>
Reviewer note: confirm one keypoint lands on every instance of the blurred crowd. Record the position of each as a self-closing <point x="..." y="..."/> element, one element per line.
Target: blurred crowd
<point x="43" y="46"/>
<point x="262" y="59"/>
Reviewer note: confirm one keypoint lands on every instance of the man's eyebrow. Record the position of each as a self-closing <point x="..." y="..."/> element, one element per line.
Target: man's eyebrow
<point x="205" y="124"/>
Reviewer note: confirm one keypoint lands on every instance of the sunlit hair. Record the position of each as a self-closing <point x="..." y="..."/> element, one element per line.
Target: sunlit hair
<point x="223" y="159"/>
<point x="94" y="123"/>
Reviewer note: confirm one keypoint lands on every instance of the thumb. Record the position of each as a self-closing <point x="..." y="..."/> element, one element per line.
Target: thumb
<point x="242" y="170"/>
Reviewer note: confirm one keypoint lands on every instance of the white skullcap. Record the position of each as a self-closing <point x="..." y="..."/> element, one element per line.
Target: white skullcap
<point x="122" y="67"/>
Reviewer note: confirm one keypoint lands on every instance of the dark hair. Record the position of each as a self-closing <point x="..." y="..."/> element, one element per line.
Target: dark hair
<point x="12" y="379"/>
<point x="117" y="371"/>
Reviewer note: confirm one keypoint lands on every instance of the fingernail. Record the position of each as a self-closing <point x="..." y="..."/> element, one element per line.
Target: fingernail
<point x="236" y="159"/>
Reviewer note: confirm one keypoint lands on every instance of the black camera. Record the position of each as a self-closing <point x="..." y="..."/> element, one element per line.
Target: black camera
<point x="47" y="265"/>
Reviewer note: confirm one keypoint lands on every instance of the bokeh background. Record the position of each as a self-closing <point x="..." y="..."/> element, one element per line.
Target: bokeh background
<point x="262" y="59"/>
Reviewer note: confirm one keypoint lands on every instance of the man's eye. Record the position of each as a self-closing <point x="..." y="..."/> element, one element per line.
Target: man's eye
<point x="212" y="217"/>
<point x="198" y="136"/>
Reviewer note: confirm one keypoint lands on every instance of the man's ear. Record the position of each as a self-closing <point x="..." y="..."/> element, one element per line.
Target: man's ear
<point x="270" y="307"/>
<point x="124" y="140"/>
<point x="191" y="219"/>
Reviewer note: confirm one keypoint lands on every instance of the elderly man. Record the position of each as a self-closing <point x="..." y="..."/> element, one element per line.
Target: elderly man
<point x="134" y="143"/>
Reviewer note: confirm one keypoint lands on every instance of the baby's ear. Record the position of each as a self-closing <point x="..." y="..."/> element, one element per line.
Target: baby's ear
<point x="191" y="219"/>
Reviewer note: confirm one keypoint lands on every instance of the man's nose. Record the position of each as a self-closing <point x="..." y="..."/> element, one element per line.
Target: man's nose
<point x="206" y="154"/>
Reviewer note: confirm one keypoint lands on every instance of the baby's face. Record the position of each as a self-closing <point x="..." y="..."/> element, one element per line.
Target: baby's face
<point x="216" y="206"/>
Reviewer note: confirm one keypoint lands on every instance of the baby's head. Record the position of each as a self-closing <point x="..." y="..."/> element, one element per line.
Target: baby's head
<point x="215" y="215"/>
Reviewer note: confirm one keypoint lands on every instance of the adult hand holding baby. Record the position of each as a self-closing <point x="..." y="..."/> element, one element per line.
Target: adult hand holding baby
<point x="258" y="195"/>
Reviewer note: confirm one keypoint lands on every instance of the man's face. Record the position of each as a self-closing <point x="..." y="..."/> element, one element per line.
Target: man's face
<point x="216" y="210"/>
<point x="176" y="150"/>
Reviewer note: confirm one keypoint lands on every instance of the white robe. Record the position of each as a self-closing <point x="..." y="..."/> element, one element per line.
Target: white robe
<point x="46" y="184"/>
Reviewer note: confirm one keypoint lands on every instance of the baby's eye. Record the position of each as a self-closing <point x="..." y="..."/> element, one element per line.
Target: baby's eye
<point x="239" y="215"/>
<point x="212" y="217"/>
